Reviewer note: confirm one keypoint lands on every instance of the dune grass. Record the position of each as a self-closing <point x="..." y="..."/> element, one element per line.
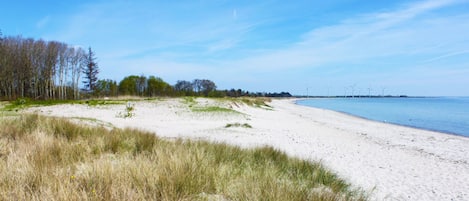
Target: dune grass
<point x="245" y="125"/>
<point x="257" y="102"/>
<point x="194" y="106"/>
<point x="23" y="103"/>
<point x="213" y="109"/>
<point x="44" y="158"/>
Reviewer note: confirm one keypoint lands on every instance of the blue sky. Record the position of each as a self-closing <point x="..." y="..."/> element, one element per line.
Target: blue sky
<point x="325" y="48"/>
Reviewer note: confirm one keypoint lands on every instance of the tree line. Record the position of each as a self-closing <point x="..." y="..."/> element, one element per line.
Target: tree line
<point x="154" y="86"/>
<point x="43" y="70"/>
<point x="40" y="69"/>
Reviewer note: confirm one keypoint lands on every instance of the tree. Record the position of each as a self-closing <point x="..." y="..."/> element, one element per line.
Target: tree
<point x="38" y="69"/>
<point x="157" y="87"/>
<point x="207" y="86"/>
<point x="197" y="84"/>
<point x="141" y="85"/>
<point x="62" y="70"/>
<point x="76" y="63"/>
<point x="182" y="85"/>
<point x="129" y="85"/>
<point x="91" y="71"/>
<point x="106" y="88"/>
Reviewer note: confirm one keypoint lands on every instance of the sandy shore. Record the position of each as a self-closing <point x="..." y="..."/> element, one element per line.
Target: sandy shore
<point x="390" y="161"/>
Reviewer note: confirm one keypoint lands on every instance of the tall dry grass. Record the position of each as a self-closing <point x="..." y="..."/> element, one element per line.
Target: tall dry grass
<point x="44" y="158"/>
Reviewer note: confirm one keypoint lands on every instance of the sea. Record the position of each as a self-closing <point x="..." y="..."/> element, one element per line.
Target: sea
<point x="442" y="114"/>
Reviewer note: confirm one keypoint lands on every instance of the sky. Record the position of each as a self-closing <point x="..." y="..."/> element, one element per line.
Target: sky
<point x="337" y="47"/>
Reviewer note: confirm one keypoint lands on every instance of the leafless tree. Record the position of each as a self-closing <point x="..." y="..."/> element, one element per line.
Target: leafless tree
<point x="38" y="69"/>
<point x="76" y="58"/>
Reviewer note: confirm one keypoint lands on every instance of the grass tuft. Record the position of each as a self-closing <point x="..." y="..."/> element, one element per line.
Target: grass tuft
<point x="128" y="112"/>
<point x="245" y="125"/>
<point x="44" y="158"/>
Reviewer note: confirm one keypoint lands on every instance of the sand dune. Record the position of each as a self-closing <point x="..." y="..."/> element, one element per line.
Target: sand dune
<point x="392" y="162"/>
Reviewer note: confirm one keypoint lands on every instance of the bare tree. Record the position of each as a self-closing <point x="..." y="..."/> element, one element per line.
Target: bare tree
<point x="197" y="84"/>
<point x="50" y="69"/>
<point x="203" y="86"/>
<point x="76" y="63"/>
<point x="38" y="61"/>
<point x="183" y="86"/>
<point x="38" y="69"/>
<point x="62" y="68"/>
<point x="208" y="86"/>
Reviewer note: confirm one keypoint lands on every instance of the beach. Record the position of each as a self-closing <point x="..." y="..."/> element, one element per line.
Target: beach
<point x="390" y="162"/>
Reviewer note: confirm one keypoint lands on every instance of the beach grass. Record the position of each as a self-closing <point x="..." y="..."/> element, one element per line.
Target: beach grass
<point x="257" y="102"/>
<point x="24" y="103"/>
<point x="245" y="125"/>
<point x="45" y="158"/>
<point x="212" y="109"/>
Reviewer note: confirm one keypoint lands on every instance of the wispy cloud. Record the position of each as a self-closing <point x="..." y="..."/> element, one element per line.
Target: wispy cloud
<point x="43" y="22"/>
<point x="399" y="33"/>
<point x="376" y="49"/>
<point x="147" y="27"/>
<point x="222" y="45"/>
<point x="452" y="54"/>
<point x="235" y="14"/>
<point x="259" y="43"/>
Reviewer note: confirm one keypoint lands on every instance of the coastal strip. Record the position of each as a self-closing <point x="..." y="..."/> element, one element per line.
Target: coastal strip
<point x="391" y="162"/>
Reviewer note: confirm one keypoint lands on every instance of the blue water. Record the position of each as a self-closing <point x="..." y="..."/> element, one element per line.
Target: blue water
<point x="447" y="114"/>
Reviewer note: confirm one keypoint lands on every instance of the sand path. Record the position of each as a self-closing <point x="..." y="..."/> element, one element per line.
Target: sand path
<point x="392" y="162"/>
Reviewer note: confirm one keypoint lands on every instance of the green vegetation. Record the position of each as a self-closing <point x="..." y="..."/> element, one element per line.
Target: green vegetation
<point x="24" y="103"/>
<point x="213" y="109"/>
<point x="53" y="159"/>
<point x="245" y="125"/>
<point x="189" y="100"/>
<point x="224" y="105"/>
<point x="94" y="102"/>
<point x="129" y="111"/>
<point x="257" y="102"/>
<point x="195" y="107"/>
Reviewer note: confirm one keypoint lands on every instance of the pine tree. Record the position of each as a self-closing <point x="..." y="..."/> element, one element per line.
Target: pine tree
<point x="90" y="71"/>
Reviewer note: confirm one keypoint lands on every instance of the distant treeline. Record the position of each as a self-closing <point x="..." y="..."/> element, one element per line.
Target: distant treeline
<point x="42" y="70"/>
<point x="154" y="86"/>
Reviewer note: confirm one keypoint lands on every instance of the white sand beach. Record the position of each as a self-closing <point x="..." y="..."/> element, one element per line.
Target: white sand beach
<point x="392" y="162"/>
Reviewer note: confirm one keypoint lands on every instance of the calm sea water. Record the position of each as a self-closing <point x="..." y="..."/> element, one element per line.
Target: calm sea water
<point x="447" y="114"/>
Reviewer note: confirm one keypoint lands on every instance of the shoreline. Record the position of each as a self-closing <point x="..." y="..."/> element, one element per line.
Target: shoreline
<point x="390" y="161"/>
<point x="385" y="122"/>
<point x="393" y="123"/>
